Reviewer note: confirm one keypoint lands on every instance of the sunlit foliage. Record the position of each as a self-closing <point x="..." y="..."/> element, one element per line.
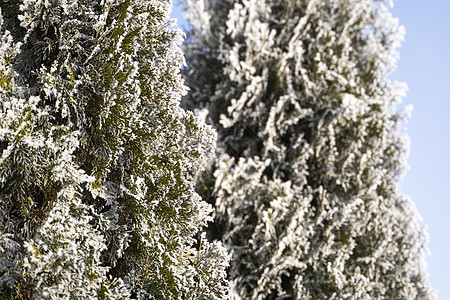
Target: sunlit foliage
<point x="310" y="150"/>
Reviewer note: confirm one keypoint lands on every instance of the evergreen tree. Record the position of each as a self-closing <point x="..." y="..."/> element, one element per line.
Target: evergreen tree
<point x="97" y="158"/>
<point x="310" y="149"/>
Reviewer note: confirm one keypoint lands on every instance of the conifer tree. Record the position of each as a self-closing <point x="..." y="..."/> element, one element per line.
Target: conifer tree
<point x="97" y="159"/>
<point x="310" y="151"/>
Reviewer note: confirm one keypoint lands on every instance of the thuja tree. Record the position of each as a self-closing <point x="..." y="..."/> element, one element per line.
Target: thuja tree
<point x="97" y="158"/>
<point x="310" y="151"/>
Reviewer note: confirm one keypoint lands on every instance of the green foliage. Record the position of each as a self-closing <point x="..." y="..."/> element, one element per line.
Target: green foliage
<point x="97" y="158"/>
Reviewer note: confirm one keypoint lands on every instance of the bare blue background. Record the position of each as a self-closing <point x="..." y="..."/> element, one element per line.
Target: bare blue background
<point x="425" y="67"/>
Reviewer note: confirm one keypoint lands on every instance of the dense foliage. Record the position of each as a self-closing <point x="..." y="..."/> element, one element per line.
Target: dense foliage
<point x="310" y="150"/>
<point x="97" y="158"/>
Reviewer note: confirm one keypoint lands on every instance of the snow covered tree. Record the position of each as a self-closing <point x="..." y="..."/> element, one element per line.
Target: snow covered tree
<point x="97" y="159"/>
<point x="310" y="148"/>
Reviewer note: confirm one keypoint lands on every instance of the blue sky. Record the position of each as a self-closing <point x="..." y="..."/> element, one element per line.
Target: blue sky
<point x="425" y="66"/>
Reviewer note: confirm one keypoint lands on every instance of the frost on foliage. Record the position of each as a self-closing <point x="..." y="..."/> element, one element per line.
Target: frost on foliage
<point x="309" y="148"/>
<point x="97" y="158"/>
